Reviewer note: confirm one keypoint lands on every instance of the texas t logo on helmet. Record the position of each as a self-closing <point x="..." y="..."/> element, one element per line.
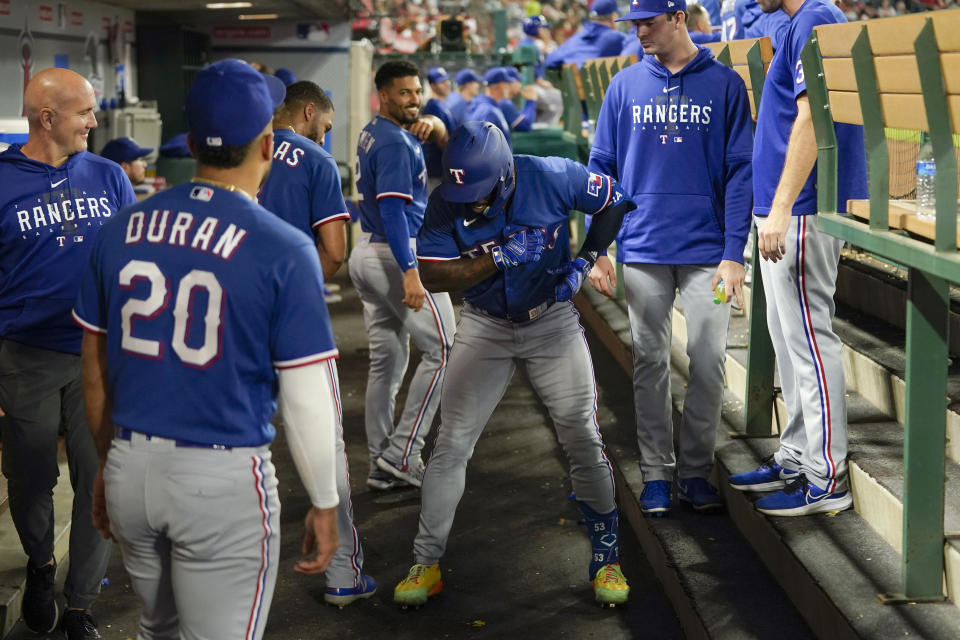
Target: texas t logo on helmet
<point x="457" y="175"/>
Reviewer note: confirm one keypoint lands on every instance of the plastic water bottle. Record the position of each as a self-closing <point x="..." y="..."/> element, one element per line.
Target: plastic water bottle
<point x="926" y="182"/>
<point x="720" y="293"/>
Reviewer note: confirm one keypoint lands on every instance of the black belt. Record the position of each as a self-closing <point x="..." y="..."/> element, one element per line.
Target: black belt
<point x="127" y="434"/>
<point x="524" y="316"/>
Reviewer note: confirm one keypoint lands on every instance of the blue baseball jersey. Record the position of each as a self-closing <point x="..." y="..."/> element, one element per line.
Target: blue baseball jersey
<point x="202" y="295"/>
<point x="432" y="153"/>
<point x="457" y="106"/>
<point x="390" y="164"/>
<point x="681" y="145"/>
<point x="49" y="217"/>
<point x="539" y="66"/>
<point x="304" y="184"/>
<point x="547" y="189"/>
<point x="778" y="109"/>
<point x="519" y="120"/>
<point x="483" y="108"/>
<point x="593" y="40"/>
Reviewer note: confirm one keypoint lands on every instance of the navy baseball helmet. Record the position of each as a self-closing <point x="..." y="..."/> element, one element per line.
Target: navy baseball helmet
<point x="478" y="160"/>
<point x="533" y="24"/>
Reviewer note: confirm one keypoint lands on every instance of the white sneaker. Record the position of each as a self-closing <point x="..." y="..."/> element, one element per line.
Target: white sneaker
<point x="411" y="474"/>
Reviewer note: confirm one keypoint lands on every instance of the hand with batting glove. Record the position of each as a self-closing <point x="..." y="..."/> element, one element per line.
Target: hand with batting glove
<point x="572" y="275"/>
<point x="520" y="248"/>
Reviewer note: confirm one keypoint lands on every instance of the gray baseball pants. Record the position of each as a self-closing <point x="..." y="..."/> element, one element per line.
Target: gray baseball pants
<point x="553" y="352"/>
<point x="651" y="290"/>
<point x="390" y="326"/>
<point x="800" y="310"/>
<point x="200" y="534"/>
<point x="41" y="394"/>
<point x="346" y="566"/>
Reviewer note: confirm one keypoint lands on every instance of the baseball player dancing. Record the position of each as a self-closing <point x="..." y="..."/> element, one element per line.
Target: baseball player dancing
<point x="497" y="228"/>
<point x="799" y="269"/>
<point x="304" y="189"/>
<point x="197" y="304"/>
<point x="392" y="181"/>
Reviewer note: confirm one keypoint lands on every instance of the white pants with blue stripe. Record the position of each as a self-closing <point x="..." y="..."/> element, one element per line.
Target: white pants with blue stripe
<point x="800" y="310"/>
<point x="390" y="326"/>
<point x="199" y="530"/>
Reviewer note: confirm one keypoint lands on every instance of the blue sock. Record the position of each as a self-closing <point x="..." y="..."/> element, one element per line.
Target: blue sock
<point x="604" y="544"/>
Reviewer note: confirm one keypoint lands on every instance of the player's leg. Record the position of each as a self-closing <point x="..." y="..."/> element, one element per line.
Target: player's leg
<point x="145" y="550"/>
<point x="560" y="369"/>
<point x="223" y="518"/>
<point x="388" y="349"/>
<point x="432" y="329"/>
<point x="806" y="318"/>
<point x="650" y="291"/>
<point x="30" y="384"/>
<point x="480" y="368"/>
<point x="344" y="574"/>
<point x="89" y="551"/>
<point x="707" y="325"/>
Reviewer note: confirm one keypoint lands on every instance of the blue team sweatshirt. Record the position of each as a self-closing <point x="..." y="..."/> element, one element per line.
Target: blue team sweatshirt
<point x="680" y="145"/>
<point x="48" y="219"/>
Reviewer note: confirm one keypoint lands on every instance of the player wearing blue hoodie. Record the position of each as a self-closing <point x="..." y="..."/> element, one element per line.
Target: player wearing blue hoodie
<point x="675" y="130"/>
<point x="595" y="39"/>
<point x="54" y="199"/>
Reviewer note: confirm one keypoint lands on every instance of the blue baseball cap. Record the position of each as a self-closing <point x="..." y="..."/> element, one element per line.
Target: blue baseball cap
<point x="286" y="76"/>
<point x="644" y="9"/>
<point x="231" y="103"/>
<point x="176" y="147"/>
<point x="466" y="76"/>
<point x="514" y="74"/>
<point x="496" y="75"/>
<point x="437" y="74"/>
<point x="124" y="150"/>
<point x="604" y="7"/>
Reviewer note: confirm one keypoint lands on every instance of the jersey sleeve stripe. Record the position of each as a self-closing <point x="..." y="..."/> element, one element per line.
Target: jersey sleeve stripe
<point x="609" y="195"/>
<point x="87" y="326"/>
<point x="333" y="218"/>
<point x="394" y="194"/>
<point x="517" y="121"/>
<point x="436" y="258"/>
<point x="306" y="360"/>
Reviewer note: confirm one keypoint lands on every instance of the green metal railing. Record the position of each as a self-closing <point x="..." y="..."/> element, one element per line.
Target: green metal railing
<point x="931" y="267"/>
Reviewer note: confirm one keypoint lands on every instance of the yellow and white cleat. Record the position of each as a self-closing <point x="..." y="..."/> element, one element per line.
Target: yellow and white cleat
<point x="609" y="586"/>
<point x="423" y="581"/>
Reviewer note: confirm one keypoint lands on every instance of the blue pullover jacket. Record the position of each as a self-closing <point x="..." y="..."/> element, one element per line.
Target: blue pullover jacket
<point x="48" y="219"/>
<point x="680" y="145"/>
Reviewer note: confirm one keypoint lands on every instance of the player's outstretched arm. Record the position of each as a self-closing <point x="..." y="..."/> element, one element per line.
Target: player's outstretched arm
<point x="310" y="417"/>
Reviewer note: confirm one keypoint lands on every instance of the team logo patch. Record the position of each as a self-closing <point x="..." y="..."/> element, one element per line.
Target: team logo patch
<point x="594" y="184"/>
<point x="201" y="193"/>
<point x="457" y="175"/>
<point x="214" y="141"/>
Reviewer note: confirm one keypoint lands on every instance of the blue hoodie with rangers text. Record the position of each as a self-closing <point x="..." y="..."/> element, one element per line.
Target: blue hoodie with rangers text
<point x="48" y="218"/>
<point x="680" y="145"/>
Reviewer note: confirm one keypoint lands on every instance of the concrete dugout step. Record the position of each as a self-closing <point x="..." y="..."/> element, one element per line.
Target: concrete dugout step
<point x="832" y="572"/>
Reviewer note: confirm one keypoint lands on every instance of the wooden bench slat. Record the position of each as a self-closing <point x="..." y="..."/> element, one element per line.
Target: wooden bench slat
<point x="744" y="72"/>
<point x="740" y="48"/>
<point x="904" y="111"/>
<point x="845" y="107"/>
<point x="895" y="36"/>
<point x="839" y="74"/>
<point x="946" y="27"/>
<point x="836" y="40"/>
<point x="897" y="74"/>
